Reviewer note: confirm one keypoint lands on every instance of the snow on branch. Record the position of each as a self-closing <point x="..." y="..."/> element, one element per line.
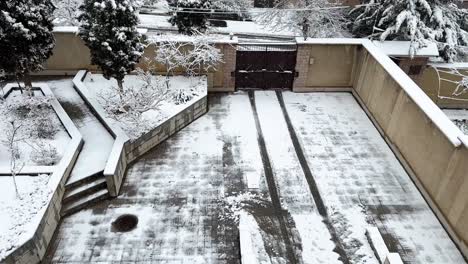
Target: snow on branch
<point x="418" y="21"/>
<point x="310" y="18"/>
<point x="457" y="77"/>
<point x="197" y="56"/>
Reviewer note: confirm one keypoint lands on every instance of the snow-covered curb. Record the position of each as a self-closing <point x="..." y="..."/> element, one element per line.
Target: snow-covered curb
<point x="381" y="251"/>
<point x="42" y="227"/>
<point x="124" y="150"/>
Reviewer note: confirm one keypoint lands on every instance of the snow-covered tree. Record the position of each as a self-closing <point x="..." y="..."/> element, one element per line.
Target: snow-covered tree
<point x="418" y="21"/>
<point x="197" y="56"/>
<point x="26" y="38"/>
<point x="109" y="29"/>
<point x="190" y="16"/>
<point x="67" y="12"/>
<point x="239" y="6"/>
<point x="11" y="142"/>
<point x="309" y="18"/>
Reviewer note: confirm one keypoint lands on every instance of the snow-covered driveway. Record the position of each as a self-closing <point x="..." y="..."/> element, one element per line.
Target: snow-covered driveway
<point x="310" y="178"/>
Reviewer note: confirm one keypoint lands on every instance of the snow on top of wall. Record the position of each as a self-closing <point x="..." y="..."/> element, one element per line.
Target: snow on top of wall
<point x="402" y="49"/>
<point x="456" y="65"/>
<point x="66" y="29"/>
<point x="343" y="41"/>
<point x="185" y="38"/>
<point x="426" y="105"/>
<point x="73" y="29"/>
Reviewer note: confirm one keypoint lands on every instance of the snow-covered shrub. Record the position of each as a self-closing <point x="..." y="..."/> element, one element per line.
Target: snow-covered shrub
<point x="109" y="29"/>
<point x="239" y="6"/>
<point x="26" y="38"/>
<point x="67" y="12"/>
<point x="182" y="96"/>
<point x="418" y="21"/>
<point x="191" y="16"/>
<point x="310" y="18"/>
<point x="145" y="95"/>
<point x="43" y="153"/>
<point x="462" y="124"/>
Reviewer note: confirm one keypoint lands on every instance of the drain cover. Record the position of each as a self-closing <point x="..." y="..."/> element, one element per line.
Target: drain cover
<point x="125" y="223"/>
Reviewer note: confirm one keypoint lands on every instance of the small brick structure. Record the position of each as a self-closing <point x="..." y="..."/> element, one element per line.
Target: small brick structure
<point x="414" y="66"/>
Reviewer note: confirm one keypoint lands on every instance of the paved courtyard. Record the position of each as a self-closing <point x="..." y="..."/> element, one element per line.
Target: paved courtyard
<point x="310" y="170"/>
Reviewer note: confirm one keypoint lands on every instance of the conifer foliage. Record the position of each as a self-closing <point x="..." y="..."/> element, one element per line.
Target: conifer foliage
<point x="109" y="29"/>
<point x="26" y="38"/>
<point x="419" y="21"/>
<point x="190" y="16"/>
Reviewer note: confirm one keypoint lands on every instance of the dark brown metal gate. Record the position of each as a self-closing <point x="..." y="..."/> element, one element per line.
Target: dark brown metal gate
<point x="263" y="66"/>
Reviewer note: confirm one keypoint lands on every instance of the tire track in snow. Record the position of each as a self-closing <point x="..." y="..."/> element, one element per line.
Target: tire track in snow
<point x="287" y="237"/>
<point x="321" y="208"/>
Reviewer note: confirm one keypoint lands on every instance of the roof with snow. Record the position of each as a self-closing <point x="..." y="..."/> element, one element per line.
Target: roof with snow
<point x="401" y="49"/>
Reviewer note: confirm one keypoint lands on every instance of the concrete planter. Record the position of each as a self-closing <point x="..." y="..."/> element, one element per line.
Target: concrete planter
<point x="34" y="249"/>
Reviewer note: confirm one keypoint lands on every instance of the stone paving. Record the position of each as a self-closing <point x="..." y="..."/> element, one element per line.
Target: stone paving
<point x="362" y="183"/>
<point x="188" y="191"/>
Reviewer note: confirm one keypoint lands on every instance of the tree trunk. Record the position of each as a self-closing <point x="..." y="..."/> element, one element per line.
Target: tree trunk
<point x="28" y="84"/>
<point x="121" y="88"/>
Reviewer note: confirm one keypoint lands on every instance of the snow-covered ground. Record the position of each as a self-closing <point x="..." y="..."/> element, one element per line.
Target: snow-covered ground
<point x="362" y="182"/>
<point x="104" y="90"/>
<point x="20" y="214"/>
<point x="34" y="134"/>
<point x="459" y="117"/>
<point x="97" y="140"/>
<point x="190" y="191"/>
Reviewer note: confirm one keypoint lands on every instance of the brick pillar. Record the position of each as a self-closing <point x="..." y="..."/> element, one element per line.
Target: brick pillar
<point x="302" y="68"/>
<point x="230" y="51"/>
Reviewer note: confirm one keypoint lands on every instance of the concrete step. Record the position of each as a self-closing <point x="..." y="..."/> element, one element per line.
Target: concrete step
<point x="70" y="186"/>
<point x="84" y="190"/>
<point x="83" y="202"/>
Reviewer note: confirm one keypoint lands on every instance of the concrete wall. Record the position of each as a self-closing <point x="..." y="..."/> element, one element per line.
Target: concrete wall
<point x="138" y="147"/>
<point x="427" y="143"/>
<point x="71" y="55"/>
<point x="324" y="66"/>
<point x="429" y="82"/>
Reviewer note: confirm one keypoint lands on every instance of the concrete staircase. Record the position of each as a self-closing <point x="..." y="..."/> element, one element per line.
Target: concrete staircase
<point x="84" y="193"/>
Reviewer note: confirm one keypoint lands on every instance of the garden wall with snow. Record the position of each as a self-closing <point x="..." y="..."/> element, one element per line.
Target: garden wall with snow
<point x="129" y="146"/>
<point x="71" y="55"/>
<point x="33" y="224"/>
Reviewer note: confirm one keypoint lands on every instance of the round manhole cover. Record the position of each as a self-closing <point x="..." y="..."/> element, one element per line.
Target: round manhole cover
<point x="125" y="223"/>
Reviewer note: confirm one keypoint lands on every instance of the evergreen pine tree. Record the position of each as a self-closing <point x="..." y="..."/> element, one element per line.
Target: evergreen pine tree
<point x="190" y="16"/>
<point x="109" y="29"/>
<point x="26" y="38"/>
<point x="419" y="21"/>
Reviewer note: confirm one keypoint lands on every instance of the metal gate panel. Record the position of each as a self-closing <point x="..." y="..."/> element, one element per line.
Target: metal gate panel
<point x="265" y="66"/>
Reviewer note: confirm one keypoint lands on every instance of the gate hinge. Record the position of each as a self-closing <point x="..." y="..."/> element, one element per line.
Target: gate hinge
<point x="296" y="74"/>
<point x="233" y="74"/>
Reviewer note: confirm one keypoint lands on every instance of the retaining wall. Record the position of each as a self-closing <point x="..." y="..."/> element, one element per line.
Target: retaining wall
<point x="125" y="150"/>
<point x="433" y="150"/>
<point x="35" y="248"/>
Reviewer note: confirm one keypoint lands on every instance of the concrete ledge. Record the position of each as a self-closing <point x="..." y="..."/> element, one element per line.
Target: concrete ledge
<point x="33" y="250"/>
<point x="380" y="249"/>
<point x="124" y="150"/>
